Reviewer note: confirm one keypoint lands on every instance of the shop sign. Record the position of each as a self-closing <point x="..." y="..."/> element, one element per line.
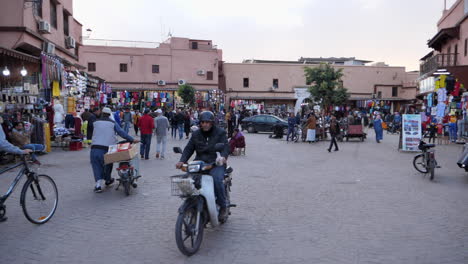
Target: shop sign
<point x="301" y="93"/>
<point x="427" y="85"/>
<point x="412" y="133"/>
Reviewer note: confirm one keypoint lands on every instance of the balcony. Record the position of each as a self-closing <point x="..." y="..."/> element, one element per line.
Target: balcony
<point x="438" y="61"/>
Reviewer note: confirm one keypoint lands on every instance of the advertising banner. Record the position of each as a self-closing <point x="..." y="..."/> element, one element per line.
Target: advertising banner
<point x="411" y="132"/>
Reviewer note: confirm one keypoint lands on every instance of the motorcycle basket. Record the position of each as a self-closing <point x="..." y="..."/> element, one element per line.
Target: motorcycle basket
<point x="183" y="185"/>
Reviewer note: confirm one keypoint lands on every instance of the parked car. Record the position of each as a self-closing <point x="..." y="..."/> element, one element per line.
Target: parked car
<point x="262" y="123"/>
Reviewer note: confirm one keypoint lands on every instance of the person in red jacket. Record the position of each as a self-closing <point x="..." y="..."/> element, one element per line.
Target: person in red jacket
<point x="146" y="125"/>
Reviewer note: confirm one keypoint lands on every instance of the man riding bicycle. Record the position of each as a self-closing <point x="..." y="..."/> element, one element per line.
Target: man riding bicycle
<point x="203" y="142"/>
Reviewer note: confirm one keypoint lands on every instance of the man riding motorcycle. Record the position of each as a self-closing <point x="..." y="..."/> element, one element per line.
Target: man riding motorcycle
<point x="203" y="141"/>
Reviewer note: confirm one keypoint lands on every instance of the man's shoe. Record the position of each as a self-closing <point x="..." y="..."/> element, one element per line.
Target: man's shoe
<point x="329" y="150"/>
<point x="141" y="156"/>
<point x="157" y="155"/>
<point x="146" y="158"/>
<point x="336" y="149"/>
<point x="98" y="189"/>
<point x="36" y="162"/>
<point x="223" y="214"/>
<point x="109" y="182"/>
<point x="162" y="157"/>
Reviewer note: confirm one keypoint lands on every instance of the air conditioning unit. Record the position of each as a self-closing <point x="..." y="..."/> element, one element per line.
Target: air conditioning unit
<point x="201" y="72"/>
<point x="161" y="82"/>
<point x="70" y="42"/>
<point x="181" y="82"/>
<point x="48" y="48"/>
<point x="44" y="26"/>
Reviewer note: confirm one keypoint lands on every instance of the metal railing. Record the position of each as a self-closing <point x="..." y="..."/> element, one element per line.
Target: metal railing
<point x="438" y="61"/>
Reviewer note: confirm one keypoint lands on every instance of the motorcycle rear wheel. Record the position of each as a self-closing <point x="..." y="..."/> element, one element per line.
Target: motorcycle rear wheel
<point x="186" y="221"/>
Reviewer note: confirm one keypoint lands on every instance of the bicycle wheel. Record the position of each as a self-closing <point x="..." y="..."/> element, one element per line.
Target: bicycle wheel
<point x="187" y="239"/>
<point x="39" y="199"/>
<point x="419" y="163"/>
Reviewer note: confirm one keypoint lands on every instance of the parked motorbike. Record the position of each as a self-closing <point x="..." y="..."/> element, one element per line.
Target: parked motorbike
<point x="128" y="174"/>
<point x="196" y="187"/>
<point x="463" y="161"/>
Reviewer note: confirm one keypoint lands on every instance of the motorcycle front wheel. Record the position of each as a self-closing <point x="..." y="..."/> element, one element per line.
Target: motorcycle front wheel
<point x="188" y="236"/>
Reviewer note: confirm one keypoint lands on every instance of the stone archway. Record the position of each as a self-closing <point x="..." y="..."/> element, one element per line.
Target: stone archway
<point x="300" y="94"/>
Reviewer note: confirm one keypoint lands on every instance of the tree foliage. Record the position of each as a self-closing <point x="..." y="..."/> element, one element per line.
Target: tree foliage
<point x="325" y="85"/>
<point x="187" y="93"/>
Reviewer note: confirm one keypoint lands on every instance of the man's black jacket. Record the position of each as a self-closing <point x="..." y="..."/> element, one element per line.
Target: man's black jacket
<point x="204" y="145"/>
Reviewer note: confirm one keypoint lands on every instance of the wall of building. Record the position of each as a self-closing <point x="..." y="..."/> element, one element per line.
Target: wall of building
<point x="19" y="14"/>
<point x="175" y="59"/>
<point x="451" y="16"/>
<point x="359" y="80"/>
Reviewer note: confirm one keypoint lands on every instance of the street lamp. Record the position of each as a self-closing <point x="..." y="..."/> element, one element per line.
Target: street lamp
<point x="6" y="72"/>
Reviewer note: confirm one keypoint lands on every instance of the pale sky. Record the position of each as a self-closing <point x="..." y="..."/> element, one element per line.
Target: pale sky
<point x="393" y="31"/>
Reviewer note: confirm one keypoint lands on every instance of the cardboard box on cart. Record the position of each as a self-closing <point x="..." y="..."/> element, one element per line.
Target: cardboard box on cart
<point x="117" y="156"/>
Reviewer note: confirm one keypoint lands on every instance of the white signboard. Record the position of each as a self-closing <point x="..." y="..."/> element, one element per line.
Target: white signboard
<point x="412" y="133"/>
<point x="427" y="85"/>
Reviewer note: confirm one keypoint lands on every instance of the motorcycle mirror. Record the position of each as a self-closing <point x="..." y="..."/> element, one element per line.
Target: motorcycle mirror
<point x="219" y="147"/>
<point x="177" y="150"/>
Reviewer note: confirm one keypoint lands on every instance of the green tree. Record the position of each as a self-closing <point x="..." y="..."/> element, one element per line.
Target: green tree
<point x="187" y="93"/>
<point x="326" y="86"/>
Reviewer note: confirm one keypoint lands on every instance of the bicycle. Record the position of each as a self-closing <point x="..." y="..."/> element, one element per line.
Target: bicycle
<point x="426" y="162"/>
<point x="38" y="188"/>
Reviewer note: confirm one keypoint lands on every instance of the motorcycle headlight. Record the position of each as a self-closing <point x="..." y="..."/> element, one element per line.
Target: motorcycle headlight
<point x="194" y="168"/>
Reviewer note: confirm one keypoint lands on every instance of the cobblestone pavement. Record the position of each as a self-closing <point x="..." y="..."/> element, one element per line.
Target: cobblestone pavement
<point x="297" y="203"/>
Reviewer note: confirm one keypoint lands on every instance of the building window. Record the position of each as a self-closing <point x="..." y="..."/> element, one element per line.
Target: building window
<point x="466" y="46"/>
<point x="155" y="69"/>
<point x="275" y="83"/>
<point x="194" y="45"/>
<point x="38" y="8"/>
<point x="246" y="82"/>
<point x="394" y="91"/>
<point x="53" y="14"/>
<point x="91" y="66"/>
<point x="123" y="67"/>
<point x="209" y="75"/>
<point x="65" y="24"/>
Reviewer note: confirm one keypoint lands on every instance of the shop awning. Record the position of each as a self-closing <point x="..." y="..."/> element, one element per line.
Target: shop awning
<point x="19" y="55"/>
<point x="378" y="99"/>
<point x="442" y="36"/>
<point x="261" y="98"/>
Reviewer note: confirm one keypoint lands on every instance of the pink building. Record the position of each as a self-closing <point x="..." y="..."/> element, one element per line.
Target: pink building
<point x="450" y="46"/>
<point x="275" y="83"/>
<point x="33" y="27"/>
<point x="163" y="68"/>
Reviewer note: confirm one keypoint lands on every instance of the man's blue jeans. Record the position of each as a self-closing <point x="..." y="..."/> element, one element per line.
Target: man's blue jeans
<point x="34" y="148"/>
<point x="180" y="127"/>
<point x="218" y="178"/>
<point x="126" y="127"/>
<point x="290" y="132"/>
<point x="453" y="132"/>
<point x="100" y="170"/>
<point x="145" y="145"/>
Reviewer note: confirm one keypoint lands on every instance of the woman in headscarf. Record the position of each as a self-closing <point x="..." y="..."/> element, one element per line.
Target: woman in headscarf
<point x="378" y="128"/>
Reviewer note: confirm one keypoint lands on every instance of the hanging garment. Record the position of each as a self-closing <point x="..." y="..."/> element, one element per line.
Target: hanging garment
<point x="456" y="91"/>
<point x="55" y="89"/>
<point x="429" y="100"/>
<point x="442" y="81"/>
<point x="440" y="109"/>
<point x="442" y="95"/>
<point x="450" y="84"/>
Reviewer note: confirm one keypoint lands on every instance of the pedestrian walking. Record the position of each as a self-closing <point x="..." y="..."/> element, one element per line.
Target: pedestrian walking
<point x="136" y="119"/>
<point x="291" y="124"/>
<point x="173" y="122"/>
<point x="104" y="136"/>
<point x="311" y="126"/>
<point x="127" y="120"/>
<point x="378" y="128"/>
<point x="334" y="131"/>
<point x="146" y="125"/>
<point x="161" y="124"/>
<point x="179" y="119"/>
<point x="187" y="122"/>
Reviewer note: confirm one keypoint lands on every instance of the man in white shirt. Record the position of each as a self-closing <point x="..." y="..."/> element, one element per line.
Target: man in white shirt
<point x="161" y="125"/>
